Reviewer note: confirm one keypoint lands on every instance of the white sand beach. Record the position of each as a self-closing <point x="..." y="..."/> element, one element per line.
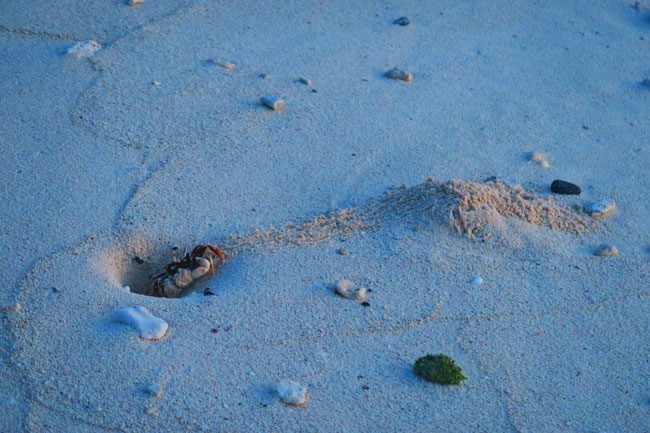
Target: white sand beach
<point x="422" y="192"/>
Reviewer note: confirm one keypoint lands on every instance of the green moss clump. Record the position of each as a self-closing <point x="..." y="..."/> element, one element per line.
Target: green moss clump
<point x="440" y="369"/>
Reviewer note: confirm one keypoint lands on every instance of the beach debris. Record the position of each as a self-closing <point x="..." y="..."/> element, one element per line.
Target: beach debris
<point x="208" y="292"/>
<point x="180" y="274"/>
<point x="606" y="250"/>
<point x="272" y="102"/>
<point x="476" y="281"/>
<point x="292" y="393"/>
<point x="149" y="327"/>
<point x="398" y="74"/>
<point x="84" y="49"/>
<point x="361" y="295"/>
<point x="342" y="252"/>
<point x="136" y="2"/>
<point x="228" y="65"/>
<point x="305" y="81"/>
<point x="563" y="187"/>
<point x="540" y="159"/>
<point x="439" y="368"/>
<point x="600" y="208"/>
<point x="15" y="308"/>
<point x="402" y="21"/>
<point x="343" y="287"/>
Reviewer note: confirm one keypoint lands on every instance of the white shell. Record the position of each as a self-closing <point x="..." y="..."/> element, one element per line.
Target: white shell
<point x="149" y="327"/>
<point x="291" y="393"/>
<point x="600" y="208"/>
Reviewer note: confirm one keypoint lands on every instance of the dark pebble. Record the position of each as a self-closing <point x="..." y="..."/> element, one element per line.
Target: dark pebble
<point x="138" y="260"/>
<point x="208" y="292"/>
<point x="564" y="187"/>
<point x="366" y="304"/>
<point x="402" y="21"/>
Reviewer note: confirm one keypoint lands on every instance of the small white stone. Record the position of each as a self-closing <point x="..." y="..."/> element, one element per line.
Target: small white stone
<point x="306" y="81"/>
<point x="16" y="308"/>
<point x="540" y="158"/>
<point x="84" y="49"/>
<point x="149" y="327"/>
<point x="228" y="65"/>
<point x="361" y="295"/>
<point x="272" y="102"/>
<point x="342" y="287"/>
<point x="292" y="393"/>
<point x="398" y="74"/>
<point x="136" y="2"/>
<point x="605" y="250"/>
<point x="601" y="208"/>
<point x="476" y="281"/>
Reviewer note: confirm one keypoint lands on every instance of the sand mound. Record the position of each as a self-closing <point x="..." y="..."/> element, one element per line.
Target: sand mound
<point x="479" y="205"/>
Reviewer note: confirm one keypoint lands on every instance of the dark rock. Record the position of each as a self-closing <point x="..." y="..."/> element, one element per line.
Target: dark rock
<point x="564" y="187"/>
<point x="208" y="292"/>
<point x="402" y="21"/>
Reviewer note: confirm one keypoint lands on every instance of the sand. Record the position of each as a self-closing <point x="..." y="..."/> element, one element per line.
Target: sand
<point x="150" y="144"/>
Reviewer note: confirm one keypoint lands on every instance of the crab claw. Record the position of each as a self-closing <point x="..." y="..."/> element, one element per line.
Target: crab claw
<point x="203" y="268"/>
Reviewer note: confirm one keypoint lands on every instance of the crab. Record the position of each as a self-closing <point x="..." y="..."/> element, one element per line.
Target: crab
<point x="180" y="274"/>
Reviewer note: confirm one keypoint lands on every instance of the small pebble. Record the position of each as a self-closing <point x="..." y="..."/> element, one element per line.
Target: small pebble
<point x="228" y="65"/>
<point x="540" y="158"/>
<point x="272" y="102"/>
<point x="156" y="83"/>
<point x="365" y="304"/>
<point x="16" y="308"/>
<point x="605" y="250"/>
<point x="138" y="260"/>
<point x="292" y="393"/>
<point x="342" y="252"/>
<point x="476" y="281"/>
<point x="342" y="287"/>
<point x="402" y="21"/>
<point x="84" y="49"/>
<point x="361" y="295"/>
<point x="208" y="292"/>
<point x="305" y="81"/>
<point x="398" y="74"/>
<point x="600" y="208"/>
<point x="154" y="411"/>
<point x="136" y="2"/>
<point x="564" y="187"/>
